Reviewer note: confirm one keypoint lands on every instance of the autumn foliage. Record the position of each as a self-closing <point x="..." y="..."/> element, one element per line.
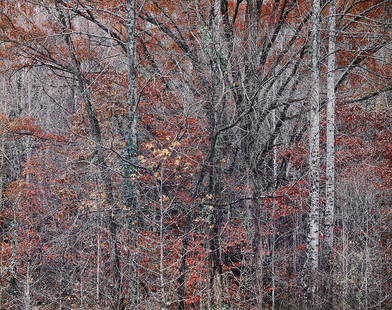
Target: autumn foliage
<point x="209" y="209"/>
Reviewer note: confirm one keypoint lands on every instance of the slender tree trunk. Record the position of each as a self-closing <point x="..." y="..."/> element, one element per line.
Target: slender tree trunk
<point x="312" y="263"/>
<point x="275" y="176"/>
<point x="163" y="297"/>
<point x="131" y="130"/>
<point x="183" y="265"/>
<point x="98" y="270"/>
<point x="18" y="150"/>
<point x="131" y="140"/>
<point x="13" y="282"/>
<point x="330" y="156"/>
<point x="330" y="153"/>
<point x="257" y="255"/>
<point x="343" y="285"/>
<point x="27" y="296"/>
<point x="253" y="209"/>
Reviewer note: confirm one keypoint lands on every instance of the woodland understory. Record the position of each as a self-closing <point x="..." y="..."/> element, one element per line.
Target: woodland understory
<point x="195" y="154"/>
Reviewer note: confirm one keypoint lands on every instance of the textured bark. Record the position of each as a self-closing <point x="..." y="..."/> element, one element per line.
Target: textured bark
<point x="131" y="132"/>
<point x="330" y="152"/>
<point x="314" y="158"/>
<point x="131" y="151"/>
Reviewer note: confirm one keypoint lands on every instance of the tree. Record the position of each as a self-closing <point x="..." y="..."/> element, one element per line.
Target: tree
<point x="330" y="142"/>
<point x="314" y="157"/>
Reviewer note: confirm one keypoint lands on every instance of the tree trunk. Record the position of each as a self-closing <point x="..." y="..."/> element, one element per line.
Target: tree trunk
<point x="330" y="152"/>
<point x="131" y="130"/>
<point x="183" y="265"/>
<point x="257" y="255"/>
<point x="131" y="151"/>
<point x="311" y="266"/>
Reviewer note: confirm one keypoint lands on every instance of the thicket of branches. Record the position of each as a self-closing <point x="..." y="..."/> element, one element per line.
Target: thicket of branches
<point x="174" y="154"/>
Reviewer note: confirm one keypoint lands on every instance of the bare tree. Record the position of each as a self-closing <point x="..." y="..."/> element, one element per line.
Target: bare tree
<point x="330" y="152"/>
<point x="312" y="263"/>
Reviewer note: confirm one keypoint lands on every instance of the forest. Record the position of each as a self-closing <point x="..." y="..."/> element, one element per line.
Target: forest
<point x="195" y="154"/>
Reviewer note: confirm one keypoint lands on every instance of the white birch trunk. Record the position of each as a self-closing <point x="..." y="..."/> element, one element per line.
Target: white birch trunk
<point x="330" y="152"/>
<point x="314" y="158"/>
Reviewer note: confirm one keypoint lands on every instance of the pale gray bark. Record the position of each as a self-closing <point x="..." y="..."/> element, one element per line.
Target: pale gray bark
<point x="98" y="270"/>
<point x="274" y="209"/>
<point x="163" y="297"/>
<point x="131" y="133"/>
<point x="330" y="152"/>
<point x="131" y="50"/>
<point x="314" y="156"/>
<point x="27" y="289"/>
